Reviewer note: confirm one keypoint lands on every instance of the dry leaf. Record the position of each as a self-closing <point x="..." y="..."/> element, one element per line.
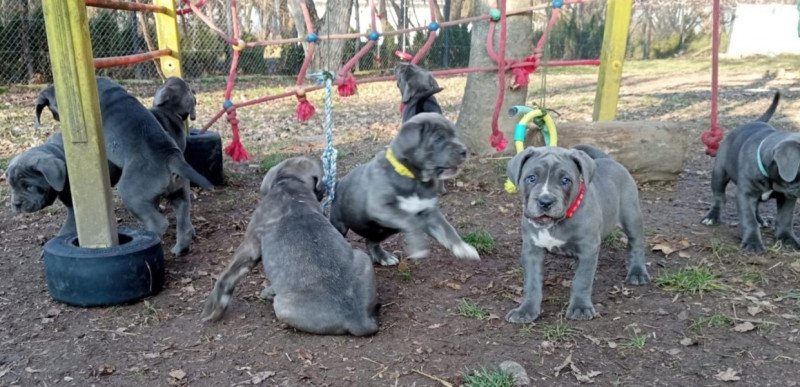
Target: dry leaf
<point x="434" y="326"/>
<point x="452" y="285"/>
<point x="795" y="266"/>
<point x="261" y="376"/>
<point x="728" y="375"/>
<point x="567" y="363"/>
<point x="684" y="254"/>
<point x="753" y="310"/>
<point x="664" y="248"/>
<point x="177" y="374"/>
<point x="612" y="345"/>
<point x="688" y="341"/>
<point x="746" y="326"/>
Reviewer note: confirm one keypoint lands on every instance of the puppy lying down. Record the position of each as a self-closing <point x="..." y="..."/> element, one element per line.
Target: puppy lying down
<point x="318" y="282"/>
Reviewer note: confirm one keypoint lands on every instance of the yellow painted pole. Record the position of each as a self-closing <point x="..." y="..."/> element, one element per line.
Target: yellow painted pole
<point x="76" y="91"/>
<point x="615" y="40"/>
<point x="167" y="33"/>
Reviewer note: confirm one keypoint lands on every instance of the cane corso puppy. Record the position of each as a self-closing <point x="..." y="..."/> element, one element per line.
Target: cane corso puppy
<point x="318" y="282"/>
<point x="148" y="157"/>
<point x="763" y="163"/>
<point x="417" y="87"/>
<point x="173" y="103"/>
<point x="396" y="191"/>
<point x="571" y="200"/>
<point x="39" y="175"/>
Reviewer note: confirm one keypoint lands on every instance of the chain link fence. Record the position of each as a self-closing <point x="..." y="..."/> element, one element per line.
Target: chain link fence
<point x="578" y="35"/>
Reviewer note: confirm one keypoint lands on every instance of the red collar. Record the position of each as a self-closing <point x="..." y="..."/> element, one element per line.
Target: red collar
<point x="577" y="203"/>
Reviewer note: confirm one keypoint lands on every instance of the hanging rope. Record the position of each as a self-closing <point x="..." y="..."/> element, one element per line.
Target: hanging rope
<point x="329" y="155"/>
<point x="713" y="136"/>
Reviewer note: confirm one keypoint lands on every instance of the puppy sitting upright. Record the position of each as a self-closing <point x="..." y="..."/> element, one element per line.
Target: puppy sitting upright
<point x="572" y="199"/>
<point x="396" y="191"/>
<point x="763" y="163"/>
<point x="318" y="283"/>
<point x="417" y="87"/>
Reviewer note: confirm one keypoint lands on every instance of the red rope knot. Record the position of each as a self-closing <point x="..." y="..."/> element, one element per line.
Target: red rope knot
<point x="305" y="110"/>
<point x="522" y="73"/>
<point x="712" y="137"/>
<point x="348" y="86"/>
<point x="236" y="149"/>
<point x="498" y="141"/>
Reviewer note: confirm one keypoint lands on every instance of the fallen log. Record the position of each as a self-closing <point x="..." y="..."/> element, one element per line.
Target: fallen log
<point x="652" y="151"/>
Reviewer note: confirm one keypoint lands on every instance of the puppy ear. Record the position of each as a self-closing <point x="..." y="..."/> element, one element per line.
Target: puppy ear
<point x="585" y="163"/>
<point x="409" y="137"/>
<point x="514" y="167"/>
<point x="46" y="98"/>
<point x="54" y="172"/>
<point x="787" y="157"/>
<point x="269" y="178"/>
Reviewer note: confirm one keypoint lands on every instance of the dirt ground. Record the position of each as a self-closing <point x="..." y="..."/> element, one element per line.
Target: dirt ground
<point x="442" y="318"/>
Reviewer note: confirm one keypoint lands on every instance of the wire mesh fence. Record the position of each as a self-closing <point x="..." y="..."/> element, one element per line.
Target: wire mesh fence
<point x="578" y="35"/>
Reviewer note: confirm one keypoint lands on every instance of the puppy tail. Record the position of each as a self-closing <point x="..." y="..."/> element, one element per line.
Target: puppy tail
<point x="180" y="167"/>
<point x="593" y="152"/>
<point x="768" y="114"/>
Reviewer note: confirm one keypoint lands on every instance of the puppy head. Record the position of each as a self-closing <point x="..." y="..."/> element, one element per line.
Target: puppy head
<point x="428" y="144"/>
<point x="46" y="98"/>
<point x="176" y="96"/>
<point x="786" y="156"/>
<point x="301" y="168"/>
<point x="549" y="180"/>
<point x="414" y="82"/>
<point x="35" y="179"/>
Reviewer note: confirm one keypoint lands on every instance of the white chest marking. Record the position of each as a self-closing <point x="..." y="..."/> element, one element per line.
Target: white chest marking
<point x="765" y="195"/>
<point x="545" y="240"/>
<point x="414" y="205"/>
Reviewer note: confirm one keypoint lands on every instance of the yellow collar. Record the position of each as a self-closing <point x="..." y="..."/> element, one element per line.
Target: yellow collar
<point x="398" y="166"/>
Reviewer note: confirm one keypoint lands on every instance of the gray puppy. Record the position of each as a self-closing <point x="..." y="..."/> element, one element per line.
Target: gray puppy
<point x="39" y="175"/>
<point x="572" y="199"/>
<point x="149" y="159"/>
<point x="173" y="103"/>
<point x="396" y="191"/>
<point x="763" y="163"/>
<point x="318" y="282"/>
<point x="417" y="87"/>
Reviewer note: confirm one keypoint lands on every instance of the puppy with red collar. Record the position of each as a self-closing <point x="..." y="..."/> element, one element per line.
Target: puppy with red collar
<point x="572" y="199"/>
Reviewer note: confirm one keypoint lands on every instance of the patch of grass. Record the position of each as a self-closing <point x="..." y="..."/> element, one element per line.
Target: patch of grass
<point x="527" y="329"/>
<point x="488" y="378"/>
<point x="690" y="280"/>
<point x="271" y="160"/>
<point x="558" y="332"/>
<point x="754" y="277"/>
<point x="4" y="162"/>
<point x="713" y="321"/>
<point x="479" y="201"/>
<point x="615" y="240"/>
<point x="721" y="248"/>
<point x="3" y="89"/>
<point x="635" y="342"/>
<point x="404" y="271"/>
<point x="793" y="295"/>
<point x="467" y="308"/>
<point x="481" y="240"/>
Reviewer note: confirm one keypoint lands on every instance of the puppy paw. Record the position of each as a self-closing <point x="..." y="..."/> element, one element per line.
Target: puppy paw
<point x="179" y="250"/>
<point x="789" y="241"/>
<point x="215" y="307"/>
<point x="464" y="250"/>
<point x="419" y="254"/>
<point x="753" y="247"/>
<point x="522" y="316"/>
<point x="386" y="259"/>
<point x="709" y="221"/>
<point x="638" y="276"/>
<point x="267" y="294"/>
<point x="581" y="312"/>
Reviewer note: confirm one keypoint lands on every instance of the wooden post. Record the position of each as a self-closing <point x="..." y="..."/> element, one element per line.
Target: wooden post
<point x="167" y="33"/>
<point x="615" y="40"/>
<point x="76" y="91"/>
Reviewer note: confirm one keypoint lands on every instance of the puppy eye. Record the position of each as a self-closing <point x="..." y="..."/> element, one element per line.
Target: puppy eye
<point x="530" y="179"/>
<point x="438" y="141"/>
<point x="565" y="181"/>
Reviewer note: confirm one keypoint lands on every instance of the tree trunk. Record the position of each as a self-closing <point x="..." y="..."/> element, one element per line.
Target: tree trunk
<point x="475" y="116"/>
<point x="650" y="150"/>
<point x="330" y="53"/>
<point x="456" y="9"/>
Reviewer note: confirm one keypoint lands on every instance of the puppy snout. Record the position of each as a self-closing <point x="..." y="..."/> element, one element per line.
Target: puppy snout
<point x="463" y="153"/>
<point x="546" y="201"/>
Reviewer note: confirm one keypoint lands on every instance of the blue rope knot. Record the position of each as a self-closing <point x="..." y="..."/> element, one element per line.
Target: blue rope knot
<point x="329" y="155"/>
<point x="433" y="26"/>
<point x="321" y="77"/>
<point x="227" y="104"/>
<point x="312" y="38"/>
<point x="374" y="36"/>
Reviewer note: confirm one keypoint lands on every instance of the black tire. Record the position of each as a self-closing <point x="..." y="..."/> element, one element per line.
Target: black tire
<point x="204" y="154"/>
<point x="78" y="276"/>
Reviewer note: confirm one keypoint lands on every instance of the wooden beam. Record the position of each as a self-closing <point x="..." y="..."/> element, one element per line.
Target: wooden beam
<point x="76" y="91"/>
<point x="168" y="38"/>
<point x="615" y="40"/>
